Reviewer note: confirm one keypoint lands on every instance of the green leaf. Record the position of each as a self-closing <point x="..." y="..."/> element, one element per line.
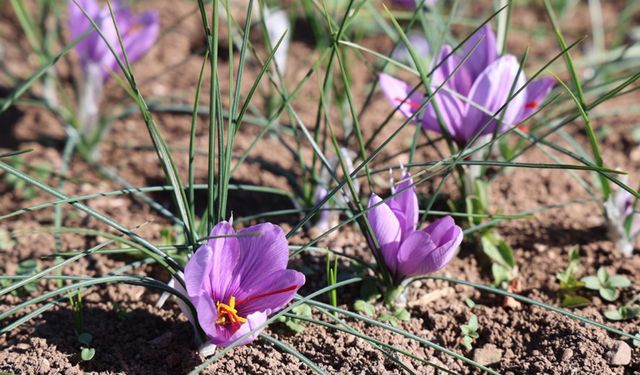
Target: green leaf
<point x="603" y="276"/>
<point x="467" y="342"/>
<point x="591" y="282"/>
<point x="610" y="294"/>
<point x="636" y="341"/>
<point x="469" y="302"/>
<point x="614" y="315"/>
<point x="572" y="301"/>
<point x="619" y="281"/>
<point x="295" y="326"/>
<point x="402" y="314"/>
<point x="498" y="250"/>
<point x="473" y="322"/>
<point x="364" y="307"/>
<point x="87" y="354"/>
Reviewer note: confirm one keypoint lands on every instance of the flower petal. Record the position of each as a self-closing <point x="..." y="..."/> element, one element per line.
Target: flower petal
<point x="537" y="91"/>
<point x="272" y="292"/>
<point x="264" y="250"/>
<point x="225" y="335"/>
<point x="386" y="229"/>
<point x="484" y="54"/>
<point x="405" y="205"/>
<point x="422" y="254"/>
<point x="141" y="34"/>
<point x="490" y="93"/>
<point x="210" y="270"/>
<point x="396" y="91"/>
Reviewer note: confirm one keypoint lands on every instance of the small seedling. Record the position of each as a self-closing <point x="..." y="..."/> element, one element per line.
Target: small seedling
<point x="364" y="308"/>
<point x="626" y="312"/>
<point x="296" y="325"/>
<point x="503" y="266"/>
<point x="607" y="285"/>
<point x="569" y="283"/>
<point x="470" y="332"/>
<point x="84" y="338"/>
<point x="394" y="318"/>
<point x="120" y="311"/>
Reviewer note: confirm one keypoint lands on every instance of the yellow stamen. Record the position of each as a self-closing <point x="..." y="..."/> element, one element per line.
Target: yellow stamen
<point x="227" y="313"/>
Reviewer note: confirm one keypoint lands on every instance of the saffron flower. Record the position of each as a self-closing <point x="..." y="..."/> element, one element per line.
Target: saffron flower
<point x="475" y="92"/>
<point x="138" y="32"/>
<point x="623" y="221"/>
<point x="236" y="280"/>
<point x="407" y="251"/>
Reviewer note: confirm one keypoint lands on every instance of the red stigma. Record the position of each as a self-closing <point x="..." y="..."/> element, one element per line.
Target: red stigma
<point x="410" y="102"/>
<point x="269" y="294"/>
<point x="531" y="105"/>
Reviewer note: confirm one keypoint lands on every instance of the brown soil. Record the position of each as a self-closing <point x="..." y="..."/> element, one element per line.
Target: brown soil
<point x="132" y="336"/>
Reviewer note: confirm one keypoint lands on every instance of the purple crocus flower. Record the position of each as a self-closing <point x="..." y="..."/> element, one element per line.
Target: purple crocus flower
<point x="474" y="93"/>
<point x="235" y="281"/>
<point x="138" y="32"/>
<point x="623" y="222"/>
<point x="409" y="252"/>
<point x="414" y="3"/>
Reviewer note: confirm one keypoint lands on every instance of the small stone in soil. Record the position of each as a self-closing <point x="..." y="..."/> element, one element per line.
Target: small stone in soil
<point x="487" y="355"/>
<point x="620" y="354"/>
<point x="566" y="355"/>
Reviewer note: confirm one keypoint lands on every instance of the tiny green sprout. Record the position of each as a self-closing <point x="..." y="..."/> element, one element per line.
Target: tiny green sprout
<point x="470" y="303"/>
<point x="296" y="325"/>
<point x="364" y="308"/>
<point x="569" y="283"/>
<point x="607" y="285"/>
<point x="503" y="267"/>
<point x="394" y="318"/>
<point x="87" y="354"/>
<point x="470" y="332"/>
<point x="120" y="311"/>
<point x="626" y="312"/>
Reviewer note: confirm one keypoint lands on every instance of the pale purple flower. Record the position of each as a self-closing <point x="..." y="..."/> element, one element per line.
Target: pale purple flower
<point x="407" y="251"/>
<point x="474" y="93"/>
<point x="623" y="222"/>
<point x="138" y="32"/>
<point x="418" y="43"/>
<point x="414" y="3"/>
<point x="236" y="280"/>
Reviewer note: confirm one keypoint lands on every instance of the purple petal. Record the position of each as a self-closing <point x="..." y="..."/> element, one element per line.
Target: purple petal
<point x="451" y="112"/>
<point x="405" y="205"/>
<point x="386" y="229"/>
<point x="440" y="230"/>
<point x="264" y="250"/>
<point x="225" y="335"/>
<point x="537" y="92"/>
<point x="458" y="80"/>
<point x="140" y="35"/>
<point x="418" y="43"/>
<point x="484" y="54"/>
<point x="427" y="251"/>
<point x="272" y="292"/>
<point x="396" y="91"/>
<point x="209" y="272"/>
<point x="490" y="92"/>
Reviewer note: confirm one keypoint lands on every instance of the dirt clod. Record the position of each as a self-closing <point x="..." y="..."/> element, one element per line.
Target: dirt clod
<point x="487" y="355"/>
<point x="620" y="354"/>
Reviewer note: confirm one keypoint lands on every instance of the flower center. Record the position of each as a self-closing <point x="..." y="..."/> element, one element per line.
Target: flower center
<point x="228" y="315"/>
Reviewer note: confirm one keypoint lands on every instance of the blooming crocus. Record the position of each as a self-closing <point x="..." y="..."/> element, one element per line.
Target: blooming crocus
<point x="138" y="33"/>
<point x="236" y="280"/>
<point x="407" y="251"/>
<point x="414" y="3"/>
<point x="474" y="93"/>
<point x="623" y="222"/>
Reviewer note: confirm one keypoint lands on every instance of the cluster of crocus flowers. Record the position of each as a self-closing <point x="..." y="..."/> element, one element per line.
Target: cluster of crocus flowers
<point x="407" y="251"/>
<point x="138" y="32"/>
<point x="623" y="221"/>
<point x="235" y="280"/>
<point x="481" y="97"/>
